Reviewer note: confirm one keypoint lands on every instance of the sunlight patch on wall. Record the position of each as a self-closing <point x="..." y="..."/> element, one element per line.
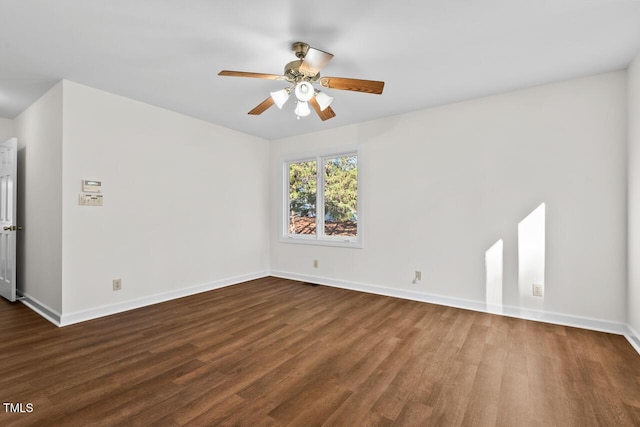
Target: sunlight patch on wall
<point x="493" y="259"/>
<point x="531" y="258"/>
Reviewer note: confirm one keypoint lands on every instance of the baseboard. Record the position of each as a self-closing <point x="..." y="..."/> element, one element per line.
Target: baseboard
<point x="633" y="337"/>
<point x="547" y="317"/>
<point x="107" y="310"/>
<point x="509" y="311"/>
<point x="42" y="309"/>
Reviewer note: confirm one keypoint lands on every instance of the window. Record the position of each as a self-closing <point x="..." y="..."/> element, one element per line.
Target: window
<point x="321" y="200"/>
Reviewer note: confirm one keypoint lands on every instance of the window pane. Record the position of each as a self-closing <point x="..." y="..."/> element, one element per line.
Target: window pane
<point x="302" y="197"/>
<point x="341" y="196"/>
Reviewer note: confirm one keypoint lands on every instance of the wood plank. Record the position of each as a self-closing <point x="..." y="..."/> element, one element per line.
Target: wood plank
<point x="276" y="352"/>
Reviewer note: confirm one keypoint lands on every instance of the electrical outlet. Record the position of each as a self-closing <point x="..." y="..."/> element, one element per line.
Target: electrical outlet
<point x="537" y="290"/>
<point x="315" y="263"/>
<point x="117" y="284"/>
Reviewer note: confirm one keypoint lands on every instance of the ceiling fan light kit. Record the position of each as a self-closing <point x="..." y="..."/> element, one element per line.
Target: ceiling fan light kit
<point x="302" y="74"/>
<point x="280" y="97"/>
<point x="304" y="91"/>
<point x="302" y="109"/>
<point x="324" y="100"/>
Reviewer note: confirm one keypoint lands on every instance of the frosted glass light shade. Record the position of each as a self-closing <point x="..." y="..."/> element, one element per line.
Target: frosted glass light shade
<point x="324" y="100"/>
<point x="280" y="97"/>
<point x="302" y="109"/>
<point x="304" y="91"/>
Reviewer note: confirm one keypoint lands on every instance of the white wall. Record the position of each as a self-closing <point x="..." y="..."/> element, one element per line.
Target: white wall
<point x="456" y="180"/>
<point x="633" y="308"/>
<point x="442" y="186"/>
<point x="185" y="201"/>
<point x="39" y="132"/>
<point x="6" y="129"/>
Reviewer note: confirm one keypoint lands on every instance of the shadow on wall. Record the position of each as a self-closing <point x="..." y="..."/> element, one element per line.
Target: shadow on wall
<point x="531" y="264"/>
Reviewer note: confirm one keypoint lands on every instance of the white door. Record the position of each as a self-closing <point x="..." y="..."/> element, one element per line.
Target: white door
<point x="8" y="209"/>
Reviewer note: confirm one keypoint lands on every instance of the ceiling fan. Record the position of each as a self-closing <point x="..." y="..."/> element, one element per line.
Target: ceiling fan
<point x="302" y="74"/>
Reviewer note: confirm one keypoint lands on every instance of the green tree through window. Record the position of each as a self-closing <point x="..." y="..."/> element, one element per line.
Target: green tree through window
<point x="341" y="196"/>
<point x="337" y="214"/>
<point x="302" y="197"/>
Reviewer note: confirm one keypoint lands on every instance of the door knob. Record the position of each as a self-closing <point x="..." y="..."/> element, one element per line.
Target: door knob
<point x="7" y="228"/>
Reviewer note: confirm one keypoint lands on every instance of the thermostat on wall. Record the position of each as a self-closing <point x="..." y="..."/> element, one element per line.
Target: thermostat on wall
<point x="91" y="186"/>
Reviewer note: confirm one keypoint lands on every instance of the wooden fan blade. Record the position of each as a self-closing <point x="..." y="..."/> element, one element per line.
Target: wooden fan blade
<point x="324" y="115"/>
<point x="314" y="61"/>
<point x="262" y="107"/>
<point x="253" y="75"/>
<point x="367" y="86"/>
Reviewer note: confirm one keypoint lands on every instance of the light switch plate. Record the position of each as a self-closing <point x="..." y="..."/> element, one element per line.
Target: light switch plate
<point x="90" y="199"/>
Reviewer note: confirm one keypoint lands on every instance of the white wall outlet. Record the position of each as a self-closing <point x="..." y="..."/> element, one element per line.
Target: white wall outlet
<point x="117" y="284"/>
<point x="315" y="263"/>
<point x="537" y="290"/>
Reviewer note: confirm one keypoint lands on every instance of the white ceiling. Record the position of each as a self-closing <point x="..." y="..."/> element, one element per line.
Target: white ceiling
<point x="430" y="52"/>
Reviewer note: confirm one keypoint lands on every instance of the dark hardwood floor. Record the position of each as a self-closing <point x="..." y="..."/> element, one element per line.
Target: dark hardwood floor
<point x="277" y="352"/>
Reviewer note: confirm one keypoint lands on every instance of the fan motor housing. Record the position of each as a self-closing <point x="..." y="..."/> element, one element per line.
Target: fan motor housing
<point x="293" y="74"/>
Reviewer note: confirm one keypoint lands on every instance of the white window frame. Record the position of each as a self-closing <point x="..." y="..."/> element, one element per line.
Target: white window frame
<point x="320" y="238"/>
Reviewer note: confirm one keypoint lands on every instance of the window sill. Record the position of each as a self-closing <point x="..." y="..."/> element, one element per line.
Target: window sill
<point x="356" y="244"/>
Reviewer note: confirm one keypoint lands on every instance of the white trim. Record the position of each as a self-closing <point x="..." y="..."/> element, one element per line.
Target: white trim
<point x="509" y="311"/>
<point x="600" y="325"/>
<point x="42" y="309"/>
<point x="313" y="154"/>
<point x="319" y="156"/>
<point x="107" y="310"/>
<point x="633" y="337"/>
<point x="336" y="243"/>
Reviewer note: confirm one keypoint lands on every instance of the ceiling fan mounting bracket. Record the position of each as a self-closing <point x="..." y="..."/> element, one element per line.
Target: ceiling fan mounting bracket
<point x="300" y="49"/>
